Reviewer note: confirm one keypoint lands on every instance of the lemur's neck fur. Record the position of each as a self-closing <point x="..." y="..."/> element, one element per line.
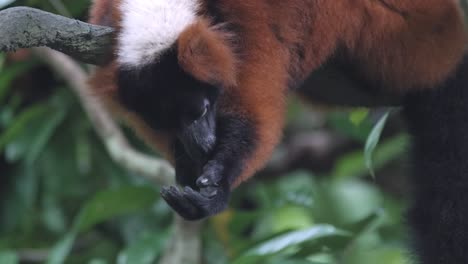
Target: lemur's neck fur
<point x="148" y="28"/>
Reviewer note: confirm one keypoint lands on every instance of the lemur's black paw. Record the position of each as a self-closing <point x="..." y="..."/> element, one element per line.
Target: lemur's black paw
<point x="193" y="205"/>
<point x="212" y="175"/>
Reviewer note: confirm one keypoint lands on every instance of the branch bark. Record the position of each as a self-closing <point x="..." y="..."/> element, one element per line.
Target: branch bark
<point x="24" y="27"/>
<point x="185" y="246"/>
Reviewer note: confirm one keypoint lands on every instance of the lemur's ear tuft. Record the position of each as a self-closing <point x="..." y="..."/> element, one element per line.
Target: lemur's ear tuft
<point x="205" y="52"/>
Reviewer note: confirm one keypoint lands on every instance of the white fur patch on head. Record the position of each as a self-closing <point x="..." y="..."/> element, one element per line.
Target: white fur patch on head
<point x="151" y="26"/>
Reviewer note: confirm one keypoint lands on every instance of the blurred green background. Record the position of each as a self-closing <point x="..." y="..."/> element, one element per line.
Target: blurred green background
<point x="316" y="201"/>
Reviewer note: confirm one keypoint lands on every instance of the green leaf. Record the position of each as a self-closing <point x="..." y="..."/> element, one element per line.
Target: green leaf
<point x="31" y="141"/>
<point x="358" y="116"/>
<point x="287" y="243"/>
<point x="60" y="251"/>
<point x="346" y="202"/>
<point x="44" y="134"/>
<point x="52" y="214"/>
<point x="103" y="206"/>
<point x="283" y="260"/>
<point x="2" y="60"/>
<point x="22" y="195"/>
<point x="342" y="123"/>
<point x="7" y="75"/>
<point x="353" y="164"/>
<point x="99" y="261"/>
<point x="381" y="255"/>
<point x="21" y="123"/>
<point x="372" y="142"/>
<point x="111" y="203"/>
<point x="295" y="238"/>
<point x="350" y="165"/>
<point x="291" y="218"/>
<point x="322" y="258"/>
<point x="143" y="251"/>
<point x="367" y="228"/>
<point x="8" y="257"/>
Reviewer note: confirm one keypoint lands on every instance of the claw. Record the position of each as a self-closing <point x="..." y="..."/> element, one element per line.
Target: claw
<point x="205" y="181"/>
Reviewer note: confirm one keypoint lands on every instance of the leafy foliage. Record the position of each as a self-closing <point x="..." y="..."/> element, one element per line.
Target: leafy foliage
<point x="372" y="142"/>
<point x="62" y="194"/>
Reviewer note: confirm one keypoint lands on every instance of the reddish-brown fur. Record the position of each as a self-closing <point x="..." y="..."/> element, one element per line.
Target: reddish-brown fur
<point x="405" y="44"/>
<point x="204" y="52"/>
<point x="105" y="12"/>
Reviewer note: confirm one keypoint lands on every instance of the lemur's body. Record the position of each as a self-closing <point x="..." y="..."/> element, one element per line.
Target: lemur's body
<point x="233" y="62"/>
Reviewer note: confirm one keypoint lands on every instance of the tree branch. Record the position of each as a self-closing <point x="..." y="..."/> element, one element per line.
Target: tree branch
<point x="24" y="27"/>
<point x="185" y="246"/>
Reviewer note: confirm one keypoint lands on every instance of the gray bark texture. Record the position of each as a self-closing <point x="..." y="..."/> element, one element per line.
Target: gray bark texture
<point x="24" y="27"/>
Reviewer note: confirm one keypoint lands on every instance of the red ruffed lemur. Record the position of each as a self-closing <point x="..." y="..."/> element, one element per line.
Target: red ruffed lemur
<point x="205" y="82"/>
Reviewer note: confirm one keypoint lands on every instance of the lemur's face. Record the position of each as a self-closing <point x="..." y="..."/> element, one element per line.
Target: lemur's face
<point x="170" y="100"/>
<point x="173" y="64"/>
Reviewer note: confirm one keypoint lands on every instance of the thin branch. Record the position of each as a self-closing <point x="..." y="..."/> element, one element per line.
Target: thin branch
<point x="156" y="170"/>
<point x="185" y="244"/>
